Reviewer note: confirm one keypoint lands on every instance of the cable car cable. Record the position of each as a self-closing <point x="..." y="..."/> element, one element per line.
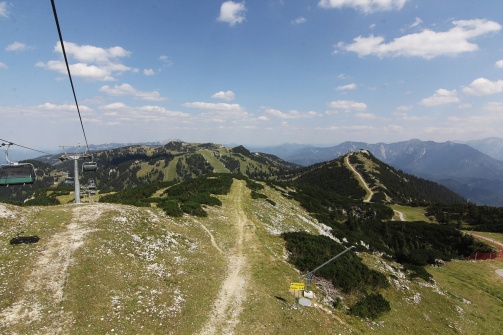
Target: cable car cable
<point x="68" y="69"/>
<point x="22" y="146"/>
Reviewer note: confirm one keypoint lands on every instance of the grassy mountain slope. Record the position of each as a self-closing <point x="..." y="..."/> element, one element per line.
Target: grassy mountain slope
<point x="359" y="173"/>
<point x="132" y="166"/>
<point x="463" y="169"/>
<point x="107" y="268"/>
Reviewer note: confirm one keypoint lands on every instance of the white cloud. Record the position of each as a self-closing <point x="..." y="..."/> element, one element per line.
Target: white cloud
<point x="483" y="86"/>
<point x="119" y="113"/>
<point x="219" y="112"/>
<point x="158" y="110"/>
<point x="221" y="106"/>
<point x="465" y="106"/>
<point x="232" y="12"/>
<point x="165" y="60"/>
<point x="426" y="44"/>
<point x="416" y="23"/>
<point x="495" y="106"/>
<point x="366" y="6"/>
<point x="348" y="105"/>
<point x="17" y="46"/>
<point x="3" y="10"/>
<point x="3" y="65"/>
<point x="63" y="108"/>
<point x="115" y="105"/>
<point x="92" y="54"/>
<point x="346" y="87"/>
<point x="92" y="72"/>
<point x="291" y="114"/>
<point x="148" y="72"/>
<point x="299" y="20"/>
<point x="404" y="108"/>
<point x="499" y="64"/>
<point x="394" y="128"/>
<point x="227" y="96"/>
<point x="126" y="89"/>
<point x="441" y="97"/>
<point x="94" y="63"/>
<point x="352" y="128"/>
<point x="368" y="116"/>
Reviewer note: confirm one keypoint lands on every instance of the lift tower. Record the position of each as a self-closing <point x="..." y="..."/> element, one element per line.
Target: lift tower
<point x="75" y="157"/>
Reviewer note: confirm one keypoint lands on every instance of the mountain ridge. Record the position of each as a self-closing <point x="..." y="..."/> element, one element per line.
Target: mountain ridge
<point x="467" y="171"/>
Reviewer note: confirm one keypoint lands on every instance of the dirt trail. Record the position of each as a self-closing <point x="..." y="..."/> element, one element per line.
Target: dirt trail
<point x="212" y="238"/>
<point x="370" y="193"/>
<point x="400" y="215"/>
<point x="39" y="306"/>
<point x="228" y="305"/>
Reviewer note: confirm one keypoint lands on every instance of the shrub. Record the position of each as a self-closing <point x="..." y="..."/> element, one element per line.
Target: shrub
<point x="371" y="306"/>
<point x="42" y="201"/>
<point x="256" y="195"/>
<point x="193" y="208"/>
<point x="171" y="208"/>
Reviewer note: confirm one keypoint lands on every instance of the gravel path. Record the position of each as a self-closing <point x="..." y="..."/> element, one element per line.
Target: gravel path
<point x="224" y="316"/>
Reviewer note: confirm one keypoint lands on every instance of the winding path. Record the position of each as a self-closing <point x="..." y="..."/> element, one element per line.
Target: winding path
<point x="370" y="193"/>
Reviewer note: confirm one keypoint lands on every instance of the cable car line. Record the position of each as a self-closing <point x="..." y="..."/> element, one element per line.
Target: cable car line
<point x="91" y="166"/>
<point x="21" y="146"/>
<point x="68" y="69"/>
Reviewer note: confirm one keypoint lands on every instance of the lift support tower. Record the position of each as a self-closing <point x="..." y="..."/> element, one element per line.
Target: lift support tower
<point x="75" y="157"/>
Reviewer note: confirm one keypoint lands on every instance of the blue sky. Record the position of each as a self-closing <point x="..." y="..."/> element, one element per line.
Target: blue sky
<point x="251" y="72"/>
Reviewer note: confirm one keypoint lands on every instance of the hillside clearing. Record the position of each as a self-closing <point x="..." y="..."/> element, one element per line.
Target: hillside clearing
<point x="411" y="213"/>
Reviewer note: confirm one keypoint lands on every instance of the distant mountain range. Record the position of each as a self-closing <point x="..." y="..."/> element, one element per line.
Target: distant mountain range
<point x="467" y="171"/>
<point x="471" y="173"/>
<point x="492" y="146"/>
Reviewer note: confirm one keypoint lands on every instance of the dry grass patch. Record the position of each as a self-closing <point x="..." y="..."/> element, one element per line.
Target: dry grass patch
<point x="412" y="213"/>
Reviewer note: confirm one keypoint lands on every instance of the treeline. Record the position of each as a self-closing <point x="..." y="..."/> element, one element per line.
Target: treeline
<point x="137" y="196"/>
<point x="332" y="176"/>
<point x="329" y="206"/>
<point x="347" y="272"/>
<point x="413" y="244"/>
<point x="308" y="251"/>
<point x="193" y="165"/>
<point x="470" y="217"/>
<point x="369" y="225"/>
<point x="179" y="198"/>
